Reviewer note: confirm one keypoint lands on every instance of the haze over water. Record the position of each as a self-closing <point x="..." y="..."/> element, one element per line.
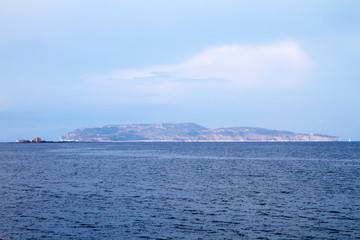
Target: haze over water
<point x="180" y="190"/>
<point x="284" y="65"/>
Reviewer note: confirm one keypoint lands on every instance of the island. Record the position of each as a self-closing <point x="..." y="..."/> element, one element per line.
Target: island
<point x="187" y="132"/>
<point x="35" y="140"/>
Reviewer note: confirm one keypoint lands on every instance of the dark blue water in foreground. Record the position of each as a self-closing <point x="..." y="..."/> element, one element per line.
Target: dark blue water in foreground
<point x="180" y="191"/>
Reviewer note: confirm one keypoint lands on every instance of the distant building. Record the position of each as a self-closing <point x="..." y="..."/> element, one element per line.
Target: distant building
<point x="37" y="139"/>
<point x="22" y="141"/>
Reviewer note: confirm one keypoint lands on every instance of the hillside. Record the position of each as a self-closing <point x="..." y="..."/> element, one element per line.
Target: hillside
<point x="189" y="132"/>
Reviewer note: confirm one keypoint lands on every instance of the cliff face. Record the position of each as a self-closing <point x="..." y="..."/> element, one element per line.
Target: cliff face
<point x="186" y="132"/>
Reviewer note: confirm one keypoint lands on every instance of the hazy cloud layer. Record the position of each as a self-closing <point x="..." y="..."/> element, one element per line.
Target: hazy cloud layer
<point x="280" y="65"/>
<point x="3" y="102"/>
<point x="179" y="61"/>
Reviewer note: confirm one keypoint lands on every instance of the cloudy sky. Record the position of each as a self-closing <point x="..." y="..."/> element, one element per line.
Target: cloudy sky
<point x="285" y="65"/>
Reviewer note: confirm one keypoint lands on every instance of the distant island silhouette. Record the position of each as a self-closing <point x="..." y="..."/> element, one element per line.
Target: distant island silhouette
<point x="187" y="132"/>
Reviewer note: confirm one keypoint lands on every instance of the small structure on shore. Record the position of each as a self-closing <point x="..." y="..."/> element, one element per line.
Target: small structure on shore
<point x="35" y="140"/>
<point x="22" y="141"/>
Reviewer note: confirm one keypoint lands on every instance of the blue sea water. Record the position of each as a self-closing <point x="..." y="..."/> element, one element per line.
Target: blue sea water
<point x="180" y="191"/>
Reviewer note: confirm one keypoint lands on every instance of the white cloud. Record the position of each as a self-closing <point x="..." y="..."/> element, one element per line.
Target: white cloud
<point x="216" y="73"/>
<point x="282" y="64"/>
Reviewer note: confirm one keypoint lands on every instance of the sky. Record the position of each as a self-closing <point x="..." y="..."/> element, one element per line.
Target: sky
<point x="283" y="65"/>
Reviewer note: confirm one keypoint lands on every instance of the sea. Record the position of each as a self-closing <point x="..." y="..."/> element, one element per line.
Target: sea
<point x="169" y="190"/>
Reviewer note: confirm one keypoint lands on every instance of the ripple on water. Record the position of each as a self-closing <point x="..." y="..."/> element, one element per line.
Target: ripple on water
<point x="180" y="191"/>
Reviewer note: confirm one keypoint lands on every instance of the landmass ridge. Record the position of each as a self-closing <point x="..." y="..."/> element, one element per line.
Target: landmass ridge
<point x="187" y="132"/>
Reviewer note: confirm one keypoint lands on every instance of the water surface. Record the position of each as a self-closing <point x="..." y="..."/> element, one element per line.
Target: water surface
<point x="180" y="191"/>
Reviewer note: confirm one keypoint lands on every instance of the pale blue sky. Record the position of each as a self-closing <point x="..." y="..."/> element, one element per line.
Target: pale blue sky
<point x="285" y="65"/>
